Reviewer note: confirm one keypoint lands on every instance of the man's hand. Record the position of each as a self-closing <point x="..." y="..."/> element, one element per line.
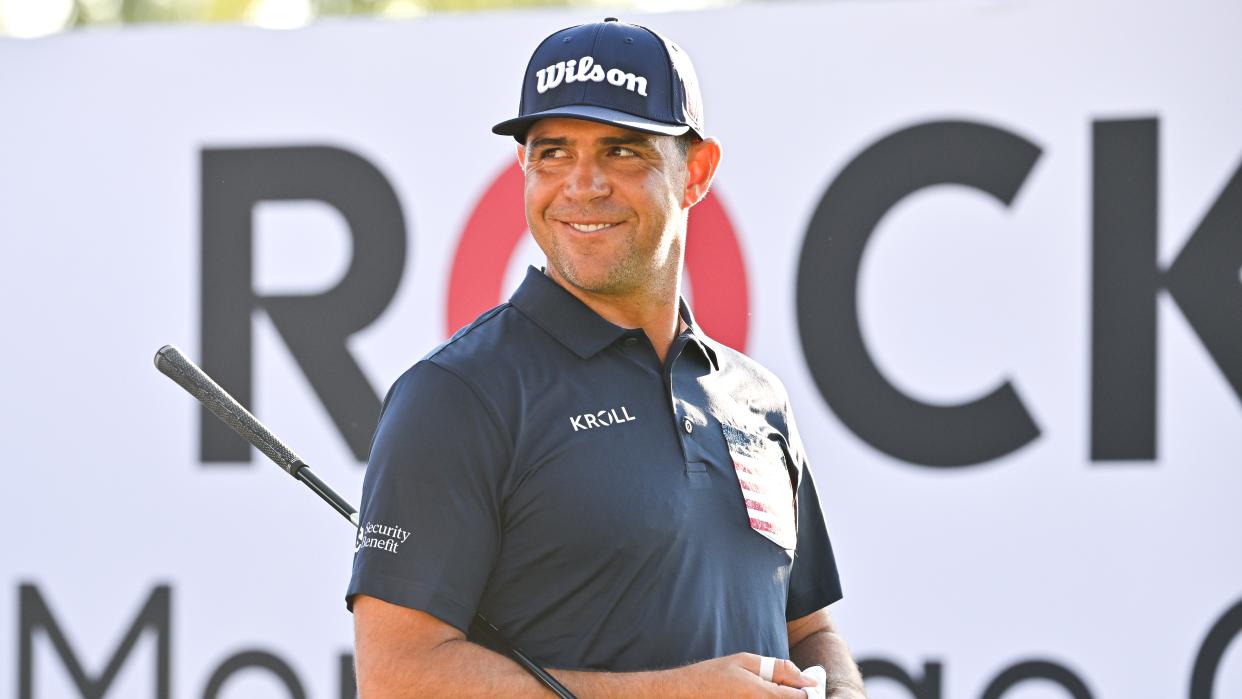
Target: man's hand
<point x="737" y="675"/>
<point x="814" y="640"/>
<point x="731" y="676"/>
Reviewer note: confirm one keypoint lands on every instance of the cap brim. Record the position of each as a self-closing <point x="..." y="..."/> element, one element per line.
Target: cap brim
<point x="518" y="127"/>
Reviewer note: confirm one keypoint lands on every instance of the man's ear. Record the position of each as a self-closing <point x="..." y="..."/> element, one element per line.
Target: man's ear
<point x="702" y="159"/>
<point x="521" y="153"/>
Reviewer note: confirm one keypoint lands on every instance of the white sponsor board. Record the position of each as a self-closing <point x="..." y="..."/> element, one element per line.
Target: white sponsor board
<point x="1041" y="147"/>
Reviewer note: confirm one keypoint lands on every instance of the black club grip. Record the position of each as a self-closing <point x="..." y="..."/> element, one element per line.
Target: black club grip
<point x="173" y="363"/>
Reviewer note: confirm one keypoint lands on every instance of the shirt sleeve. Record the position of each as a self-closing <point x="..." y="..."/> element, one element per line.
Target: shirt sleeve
<point x="430" y="519"/>
<point x="813" y="582"/>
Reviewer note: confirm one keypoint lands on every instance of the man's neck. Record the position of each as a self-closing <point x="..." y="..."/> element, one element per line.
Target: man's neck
<point x="657" y="312"/>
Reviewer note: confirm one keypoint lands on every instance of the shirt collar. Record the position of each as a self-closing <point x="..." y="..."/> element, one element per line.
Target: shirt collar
<point x="574" y="324"/>
<point x="697" y="337"/>
<point x="563" y="316"/>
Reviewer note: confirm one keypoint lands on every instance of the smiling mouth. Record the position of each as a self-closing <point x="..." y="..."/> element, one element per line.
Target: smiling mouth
<point x="589" y="227"/>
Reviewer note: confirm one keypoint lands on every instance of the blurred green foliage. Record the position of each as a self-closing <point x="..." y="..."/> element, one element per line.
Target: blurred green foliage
<point x="39" y="18"/>
<point x="90" y="12"/>
<point x="33" y="18"/>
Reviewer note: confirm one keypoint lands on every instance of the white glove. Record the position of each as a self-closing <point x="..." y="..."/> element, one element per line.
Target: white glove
<point x="817" y="674"/>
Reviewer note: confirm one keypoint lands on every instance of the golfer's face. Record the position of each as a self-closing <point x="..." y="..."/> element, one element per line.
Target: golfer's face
<point x="603" y="203"/>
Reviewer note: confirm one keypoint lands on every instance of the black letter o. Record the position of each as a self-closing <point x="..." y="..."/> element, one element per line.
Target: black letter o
<point x="1037" y="670"/>
<point x="254" y="658"/>
<point x="1203" y="677"/>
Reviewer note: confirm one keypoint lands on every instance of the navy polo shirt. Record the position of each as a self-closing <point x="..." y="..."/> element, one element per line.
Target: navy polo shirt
<point x="603" y="510"/>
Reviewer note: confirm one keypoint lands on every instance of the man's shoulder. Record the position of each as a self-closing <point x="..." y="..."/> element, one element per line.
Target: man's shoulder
<point x="760" y="391"/>
<point x="478" y="364"/>
<point x="469" y="338"/>
<point x="746" y="372"/>
<point x="500" y="332"/>
<point x="486" y="350"/>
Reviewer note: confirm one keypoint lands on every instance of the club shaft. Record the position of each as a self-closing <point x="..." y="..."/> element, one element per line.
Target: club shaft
<point x="303" y="473"/>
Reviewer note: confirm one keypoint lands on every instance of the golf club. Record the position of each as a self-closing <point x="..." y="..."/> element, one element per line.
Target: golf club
<point x="173" y="363"/>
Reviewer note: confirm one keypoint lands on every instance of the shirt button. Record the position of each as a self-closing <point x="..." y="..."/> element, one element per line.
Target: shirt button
<point x="688" y="425"/>
<point x="631" y="341"/>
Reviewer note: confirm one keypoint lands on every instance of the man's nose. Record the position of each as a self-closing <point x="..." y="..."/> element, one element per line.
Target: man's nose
<point x="587" y="181"/>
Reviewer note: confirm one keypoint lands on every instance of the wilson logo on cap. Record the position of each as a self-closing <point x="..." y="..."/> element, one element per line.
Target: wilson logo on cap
<point x="586" y="69"/>
<point x="621" y="74"/>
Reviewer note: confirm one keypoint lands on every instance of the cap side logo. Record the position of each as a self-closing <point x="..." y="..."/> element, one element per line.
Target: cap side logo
<point x="586" y="69"/>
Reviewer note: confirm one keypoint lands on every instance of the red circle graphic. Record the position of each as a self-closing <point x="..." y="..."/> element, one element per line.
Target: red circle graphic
<point x="714" y="264"/>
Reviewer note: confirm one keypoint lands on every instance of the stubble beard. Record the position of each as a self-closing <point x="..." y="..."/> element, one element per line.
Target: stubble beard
<point x="625" y="276"/>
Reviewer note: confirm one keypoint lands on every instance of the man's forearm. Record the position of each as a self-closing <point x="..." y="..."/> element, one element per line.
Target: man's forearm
<point x="461" y="668"/>
<point x="828" y="650"/>
<point x="452" y="668"/>
<point x="619" y="685"/>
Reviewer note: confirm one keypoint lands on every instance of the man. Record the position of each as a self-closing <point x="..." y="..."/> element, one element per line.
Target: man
<point x="625" y="498"/>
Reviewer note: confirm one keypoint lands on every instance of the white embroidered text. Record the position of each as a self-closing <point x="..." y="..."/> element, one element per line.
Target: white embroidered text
<point x="585" y="69"/>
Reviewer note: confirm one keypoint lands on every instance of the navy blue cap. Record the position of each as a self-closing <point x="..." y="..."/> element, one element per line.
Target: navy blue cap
<point x="614" y="73"/>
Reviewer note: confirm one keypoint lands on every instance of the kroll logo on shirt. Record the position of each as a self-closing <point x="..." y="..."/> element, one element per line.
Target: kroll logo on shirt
<point x="601" y="418"/>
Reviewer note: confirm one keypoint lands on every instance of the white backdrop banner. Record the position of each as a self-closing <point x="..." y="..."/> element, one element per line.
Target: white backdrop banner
<point x="993" y="249"/>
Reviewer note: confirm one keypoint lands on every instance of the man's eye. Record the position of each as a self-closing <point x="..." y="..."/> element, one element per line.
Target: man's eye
<point x="623" y="152"/>
<point x="551" y="153"/>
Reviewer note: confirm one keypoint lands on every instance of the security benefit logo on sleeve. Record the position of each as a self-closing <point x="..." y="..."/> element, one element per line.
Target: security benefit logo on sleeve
<point x="384" y="537"/>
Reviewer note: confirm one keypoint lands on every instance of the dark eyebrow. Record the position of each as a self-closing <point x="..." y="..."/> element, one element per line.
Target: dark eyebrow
<point x="640" y="140"/>
<point x="546" y="141"/>
<point x="628" y="140"/>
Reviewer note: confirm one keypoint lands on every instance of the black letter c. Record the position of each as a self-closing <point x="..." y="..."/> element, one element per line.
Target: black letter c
<point x="986" y="158"/>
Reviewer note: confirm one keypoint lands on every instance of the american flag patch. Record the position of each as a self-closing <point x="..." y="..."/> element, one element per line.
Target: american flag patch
<point x="766" y="487"/>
